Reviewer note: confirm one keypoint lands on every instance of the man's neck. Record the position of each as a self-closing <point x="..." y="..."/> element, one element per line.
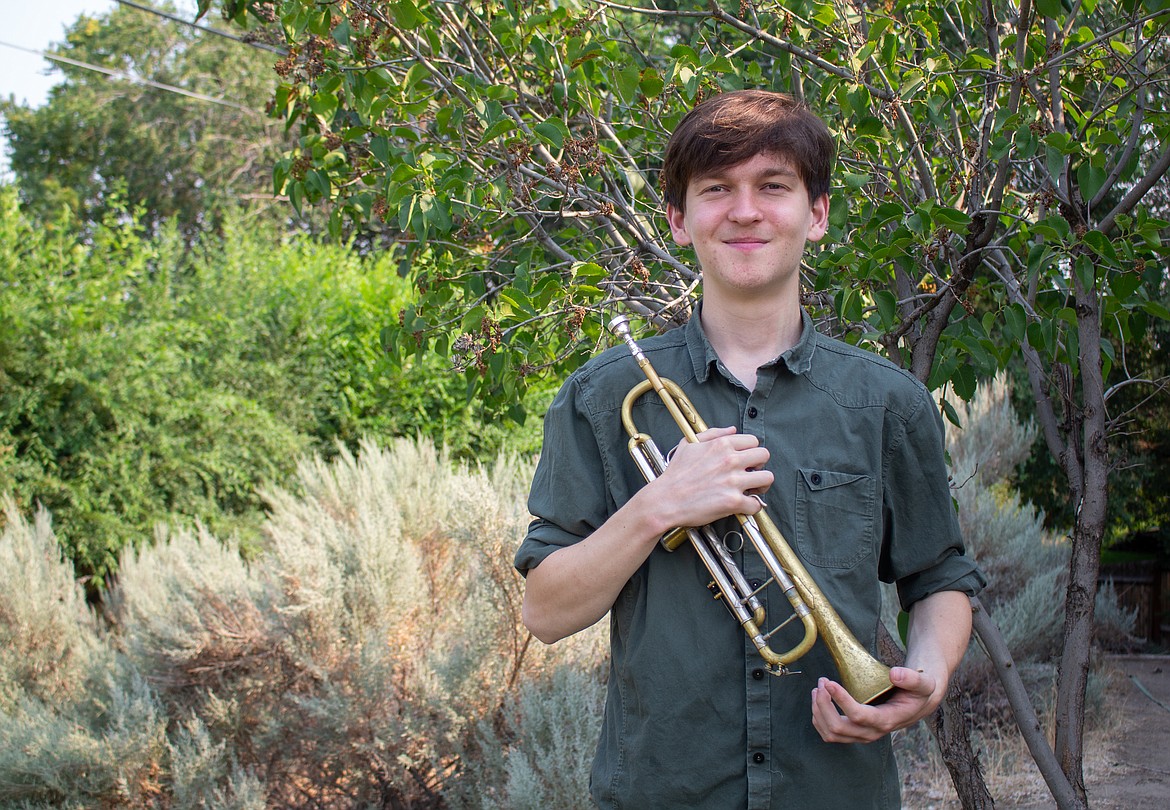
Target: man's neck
<point x="750" y="335"/>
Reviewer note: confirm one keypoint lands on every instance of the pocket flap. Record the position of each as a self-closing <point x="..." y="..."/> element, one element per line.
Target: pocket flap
<point x="817" y="480"/>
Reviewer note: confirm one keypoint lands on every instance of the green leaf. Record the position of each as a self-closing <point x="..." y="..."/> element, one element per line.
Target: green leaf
<point x="904" y="624"/>
<point x="553" y="132"/>
<point x="951" y="218"/>
<point x="414" y="75"/>
<point x="588" y="271"/>
<point x="318" y="182"/>
<point x="518" y="300"/>
<point x="1040" y="339"/>
<point x="406" y="212"/>
<point x="1062" y="142"/>
<point x="1086" y="272"/>
<point x="825" y="15"/>
<point x="651" y="83"/>
<point x="407" y="15"/>
<point x="1054" y="228"/>
<point x="627" y="82"/>
<point x="1090" y="179"/>
<point x="854" y="181"/>
<point x="473" y="319"/>
<point x="1157" y="309"/>
<point x="324" y="105"/>
<point x="1016" y="322"/>
<point x="849" y="305"/>
<point x="1108" y="356"/>
<point x="1101" y="245"/>
<point x="879" y="26"/>
<point x="501" y="127"/>
<point x="887" y="307"/>
<point x="380" y="146"/>
<point x="1123" y="285"/>
<point x="950" y="413"/>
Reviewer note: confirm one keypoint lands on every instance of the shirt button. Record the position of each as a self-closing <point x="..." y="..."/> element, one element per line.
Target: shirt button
<point x="758" y="758"/>
<point x="758" y="674"/>
<point x="752" y="412"/>
<point x="816" y="479"/>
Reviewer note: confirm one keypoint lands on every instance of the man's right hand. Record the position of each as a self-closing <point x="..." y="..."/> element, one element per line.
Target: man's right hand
<point x="719" y="475"/>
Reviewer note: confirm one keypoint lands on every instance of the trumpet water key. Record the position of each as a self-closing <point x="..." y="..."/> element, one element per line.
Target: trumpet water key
<point x="865" y="678"/>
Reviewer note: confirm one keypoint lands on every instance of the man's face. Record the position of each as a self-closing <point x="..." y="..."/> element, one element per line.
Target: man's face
<point x="749" y="224"/>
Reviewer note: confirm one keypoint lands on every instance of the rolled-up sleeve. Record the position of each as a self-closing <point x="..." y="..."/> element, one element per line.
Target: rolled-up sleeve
<point x="569" y="498"/>
<point x="924" y="551"/>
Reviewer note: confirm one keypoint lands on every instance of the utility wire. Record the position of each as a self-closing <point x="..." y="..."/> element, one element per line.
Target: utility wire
<point x="131" y="77"/>
<point x="208" y="29"/>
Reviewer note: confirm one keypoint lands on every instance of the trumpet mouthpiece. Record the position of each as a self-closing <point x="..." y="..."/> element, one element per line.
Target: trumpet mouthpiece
<point x="619" y="325"/>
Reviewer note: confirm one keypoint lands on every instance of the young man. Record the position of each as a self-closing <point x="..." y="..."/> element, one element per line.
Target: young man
<point x="845" y="448"/>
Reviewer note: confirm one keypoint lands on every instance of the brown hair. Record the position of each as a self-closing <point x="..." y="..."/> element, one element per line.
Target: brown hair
<point x="733" y="127"/>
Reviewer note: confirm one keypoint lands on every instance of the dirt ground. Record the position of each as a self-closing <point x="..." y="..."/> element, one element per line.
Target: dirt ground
<point x="1133" y="770"/>
<point x="1127" y="755"/>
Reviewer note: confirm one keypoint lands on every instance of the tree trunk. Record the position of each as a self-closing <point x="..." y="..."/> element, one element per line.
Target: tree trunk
<point x="1091" y="467"/>
<point x="952" y="729"/>
<point x="1023" y="711"/>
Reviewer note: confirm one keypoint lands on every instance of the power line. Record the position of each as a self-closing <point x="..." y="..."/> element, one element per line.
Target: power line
<point x="208" y="29"/>
<point x="131" y="77"/>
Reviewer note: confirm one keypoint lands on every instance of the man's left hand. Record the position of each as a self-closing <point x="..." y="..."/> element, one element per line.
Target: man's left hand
<point x="839" y="718"/>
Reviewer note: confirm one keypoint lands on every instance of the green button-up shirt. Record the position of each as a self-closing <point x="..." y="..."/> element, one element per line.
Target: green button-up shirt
<point x="860" y="491"/>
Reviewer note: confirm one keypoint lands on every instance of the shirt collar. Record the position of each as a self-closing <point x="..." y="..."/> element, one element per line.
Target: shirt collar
<point x="797" y="360"/>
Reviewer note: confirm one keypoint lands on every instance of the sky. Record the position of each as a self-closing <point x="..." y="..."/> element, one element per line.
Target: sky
<point x="35" y="25"/>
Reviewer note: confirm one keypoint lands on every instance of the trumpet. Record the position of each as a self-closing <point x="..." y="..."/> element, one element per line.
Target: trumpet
<point x="862" y="675"/>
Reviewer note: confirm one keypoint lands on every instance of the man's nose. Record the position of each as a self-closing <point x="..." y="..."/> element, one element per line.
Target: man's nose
<point x="744" y="207"/>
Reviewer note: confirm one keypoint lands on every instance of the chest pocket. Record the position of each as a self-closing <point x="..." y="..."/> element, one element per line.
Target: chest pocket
<point x="834" y="517"/>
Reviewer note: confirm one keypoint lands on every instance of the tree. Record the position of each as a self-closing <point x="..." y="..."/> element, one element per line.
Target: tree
<point x="101" y="138"/>
<point x="1000" y="164"/>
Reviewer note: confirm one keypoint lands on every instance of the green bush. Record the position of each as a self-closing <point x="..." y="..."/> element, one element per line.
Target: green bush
<point x="148" y="380"/>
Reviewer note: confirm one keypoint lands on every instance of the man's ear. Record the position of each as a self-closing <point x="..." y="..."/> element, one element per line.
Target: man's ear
<point x="678" y="226"/>
<point x="820" y="218"/>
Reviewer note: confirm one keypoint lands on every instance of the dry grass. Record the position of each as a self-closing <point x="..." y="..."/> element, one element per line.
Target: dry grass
<point x="1010" y="772"/>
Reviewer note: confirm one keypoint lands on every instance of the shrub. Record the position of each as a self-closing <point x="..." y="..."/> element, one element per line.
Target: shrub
<point x="539" y="752"/>
<point x="371" y="651"/>
<point x="78" y="728"/>
<point x="364" y="652"/>
<point x="48" y="637"/>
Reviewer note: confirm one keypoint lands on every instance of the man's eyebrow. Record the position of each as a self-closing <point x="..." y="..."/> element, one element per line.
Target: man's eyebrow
<point x="781" y="170"/>
<point x="774" y="170"/>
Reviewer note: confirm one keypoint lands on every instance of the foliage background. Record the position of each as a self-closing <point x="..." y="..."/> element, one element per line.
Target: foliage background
<point x="100" y="141"/>
<point x="174" y="341"/>
<point x="147" y="379"/>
